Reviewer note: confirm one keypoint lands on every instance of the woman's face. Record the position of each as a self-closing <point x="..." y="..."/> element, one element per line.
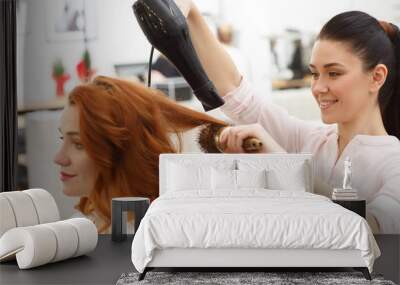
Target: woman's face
<point x="77" y="171"/>
<point x="339" y="83"/>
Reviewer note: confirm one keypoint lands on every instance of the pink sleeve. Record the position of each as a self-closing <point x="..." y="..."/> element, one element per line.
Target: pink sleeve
<point x="385" y="206"/>
<point x="243" y="106"/>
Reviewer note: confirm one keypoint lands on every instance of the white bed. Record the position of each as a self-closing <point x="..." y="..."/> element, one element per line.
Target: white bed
<point x="202" y="220"/>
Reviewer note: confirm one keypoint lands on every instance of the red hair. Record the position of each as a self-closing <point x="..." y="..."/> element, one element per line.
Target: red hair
<point x="124" y="127"/>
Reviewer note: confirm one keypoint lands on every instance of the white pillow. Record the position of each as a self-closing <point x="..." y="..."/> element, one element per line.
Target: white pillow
<point x="223" y="179"/>
<point x="290" y="179"/>
<point x="282" y="174"/>
<point x="251" y="178"/>
<point x="183" y="177"/>
<point x="236" y="179"/>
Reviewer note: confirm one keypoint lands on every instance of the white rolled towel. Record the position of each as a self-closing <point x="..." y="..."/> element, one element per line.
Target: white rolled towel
<point x="45" y="205"/>
<point x="7" y="218"/>
<point x="27" y="208"/>
<point x="40" y="244"/>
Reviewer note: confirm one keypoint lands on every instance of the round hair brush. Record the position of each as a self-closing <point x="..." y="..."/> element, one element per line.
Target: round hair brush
<point x="209" y="140"/>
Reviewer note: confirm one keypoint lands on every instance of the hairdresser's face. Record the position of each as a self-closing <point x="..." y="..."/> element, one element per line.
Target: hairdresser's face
<point x="339" y="84"/>
<point x="77" y="171"/>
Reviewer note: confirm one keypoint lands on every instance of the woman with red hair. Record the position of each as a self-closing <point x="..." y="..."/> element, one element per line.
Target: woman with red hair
<point x="113" y="132"/>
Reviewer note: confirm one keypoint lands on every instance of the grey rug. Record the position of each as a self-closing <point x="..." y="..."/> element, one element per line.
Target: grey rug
<point x="269" y="278"/>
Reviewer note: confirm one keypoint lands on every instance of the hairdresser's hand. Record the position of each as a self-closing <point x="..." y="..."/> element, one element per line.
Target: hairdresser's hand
<point x="185" y="6"/>
<point x="232" y="138"/>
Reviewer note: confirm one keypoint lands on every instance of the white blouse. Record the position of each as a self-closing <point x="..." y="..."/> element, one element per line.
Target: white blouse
<point x="375" y="159"/>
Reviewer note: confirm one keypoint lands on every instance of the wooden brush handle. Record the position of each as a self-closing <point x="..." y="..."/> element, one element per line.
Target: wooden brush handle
<point x="251" y="144"/>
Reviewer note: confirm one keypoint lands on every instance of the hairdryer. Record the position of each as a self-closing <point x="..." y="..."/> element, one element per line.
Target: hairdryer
<point x="166" y="29"/>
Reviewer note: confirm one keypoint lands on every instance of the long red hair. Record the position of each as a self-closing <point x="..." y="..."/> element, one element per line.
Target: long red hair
<point x="124" y="127"/>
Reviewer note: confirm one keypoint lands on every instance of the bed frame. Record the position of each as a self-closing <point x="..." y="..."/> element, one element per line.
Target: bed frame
<point x="248" y="259"/>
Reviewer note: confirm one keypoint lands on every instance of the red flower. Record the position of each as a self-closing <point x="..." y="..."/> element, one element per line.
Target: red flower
<point x="60" y="82"/>
<point x="60" y="77"/>
<point x="83" y="69"/>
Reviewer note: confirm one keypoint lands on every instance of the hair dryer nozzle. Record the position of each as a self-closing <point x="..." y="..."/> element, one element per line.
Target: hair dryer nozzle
<point x="209" y="97"/>
<point x="166" y="29"/>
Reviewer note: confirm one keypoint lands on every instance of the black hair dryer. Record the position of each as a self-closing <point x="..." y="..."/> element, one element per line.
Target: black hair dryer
<point x="166" y="29"/>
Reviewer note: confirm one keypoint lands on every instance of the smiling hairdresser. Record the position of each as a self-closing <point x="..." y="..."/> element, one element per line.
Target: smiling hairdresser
<point x="355" y="81"/>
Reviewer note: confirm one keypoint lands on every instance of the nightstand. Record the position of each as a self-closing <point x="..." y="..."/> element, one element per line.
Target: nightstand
<point x="121" y="205"/>
<point x="357" y="206"/>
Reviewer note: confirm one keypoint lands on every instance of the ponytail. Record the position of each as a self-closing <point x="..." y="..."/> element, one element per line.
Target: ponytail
<point x="391" y="112"/>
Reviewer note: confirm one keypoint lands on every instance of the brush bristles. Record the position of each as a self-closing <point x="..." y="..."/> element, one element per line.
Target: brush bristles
<point x="207" y="138"/>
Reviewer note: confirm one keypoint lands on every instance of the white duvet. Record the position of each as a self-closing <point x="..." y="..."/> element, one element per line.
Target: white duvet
<point x="251" y="218"/>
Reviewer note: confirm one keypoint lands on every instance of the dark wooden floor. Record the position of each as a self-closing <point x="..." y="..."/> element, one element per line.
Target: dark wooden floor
<point x="106" y="264"/>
